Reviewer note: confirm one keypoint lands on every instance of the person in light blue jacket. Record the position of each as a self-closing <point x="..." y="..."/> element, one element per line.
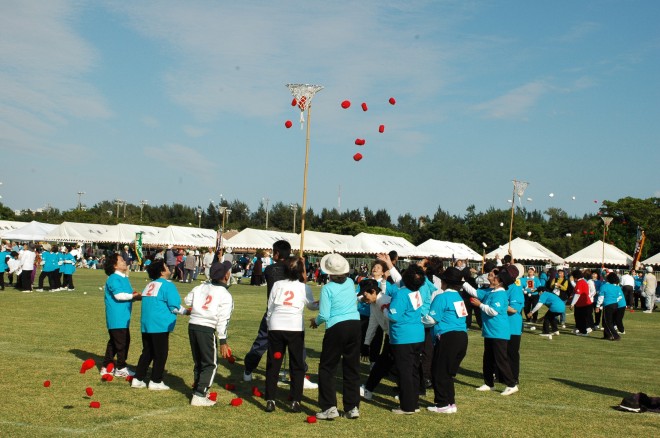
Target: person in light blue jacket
<point x="407" y="337"/>
<point x="609" y="296"/>
<point x="160" y="305"/>
<point x="338" y="311"/>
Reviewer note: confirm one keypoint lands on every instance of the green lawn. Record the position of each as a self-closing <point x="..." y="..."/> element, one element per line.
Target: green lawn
<point x="568" y="385"/>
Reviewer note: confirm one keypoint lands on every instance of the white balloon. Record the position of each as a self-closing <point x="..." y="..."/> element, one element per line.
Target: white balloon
<point x="552" y="195"/>
<point x="529" y="199"/>
<point x="573" y="198"/>
<point x="509" y="201"/>
<point x="529" y="233"/>
<point x="501" y="224"/>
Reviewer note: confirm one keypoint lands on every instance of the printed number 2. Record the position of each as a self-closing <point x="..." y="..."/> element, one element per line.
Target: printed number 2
<point x="419" y="299"/>
<point x="208" y="300"/>
<point x="150" y="289"/>
<point x="289" y="296"/>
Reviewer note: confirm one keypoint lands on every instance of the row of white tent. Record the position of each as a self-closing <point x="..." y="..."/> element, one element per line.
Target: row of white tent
<point x="314" y="241"/>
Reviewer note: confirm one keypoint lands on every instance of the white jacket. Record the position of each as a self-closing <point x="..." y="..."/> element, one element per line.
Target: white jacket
<point x="211" y="307"/>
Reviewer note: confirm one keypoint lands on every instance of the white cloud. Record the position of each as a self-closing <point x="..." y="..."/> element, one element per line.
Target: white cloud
<point x="578" y="32"/>
<point x="515" y="104"/>
<point x="181" y="159"/>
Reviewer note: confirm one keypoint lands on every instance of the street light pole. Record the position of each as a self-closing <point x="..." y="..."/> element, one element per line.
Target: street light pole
<point x="118" y="203"/>
<point x="79" y="203"/>
<point x="267" y="201"/>
<point x="199" y="216"/>
<point x="294" y="207"/>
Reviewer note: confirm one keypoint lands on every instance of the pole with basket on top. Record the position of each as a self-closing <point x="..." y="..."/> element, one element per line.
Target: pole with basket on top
<point x="518" y="189"/>
<point x="303" y="94"/>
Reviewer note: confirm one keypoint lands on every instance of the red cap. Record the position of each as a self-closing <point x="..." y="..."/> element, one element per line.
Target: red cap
<point x="364" y="106"/>
<point x="381" y="128"/>
<point x="357" y="157"/>
<point x="89" y="391"/>
<point x="288" y="124"/>
<point x="392" y="101"/>
<point x="95" y="404"/>
<point x="346" y="104"/>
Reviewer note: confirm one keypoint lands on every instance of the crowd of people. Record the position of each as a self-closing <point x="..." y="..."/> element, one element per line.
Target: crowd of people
<point x="411" y="325"/>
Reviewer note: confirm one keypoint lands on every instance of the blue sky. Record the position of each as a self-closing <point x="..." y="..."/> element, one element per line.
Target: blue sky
<point x="175" y="101"/>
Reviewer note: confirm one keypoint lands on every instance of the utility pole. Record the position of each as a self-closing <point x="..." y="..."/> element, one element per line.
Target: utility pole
<point x="294" y="207"/>
<point x="267" y="201"/>
<point x="79" y="203"/>
<point x="142" y="204"/>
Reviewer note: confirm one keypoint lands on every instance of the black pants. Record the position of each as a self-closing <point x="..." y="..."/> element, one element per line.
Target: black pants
<point x="530" y="302"/>
<point x="68" y="281"/>
<point x="260" y="346"/>
<point x="427" y="359"/>
<point x="376" y="343"/>
<point x="581" y="315"/>
<point x="470" y="309"/>
<point x="597" y="315"/>
<point x="629" y="295"/>
<point x="120" y="341"/>
<point x="42" y="276"/>
<point x="294" y="342"/>
<point x="407" y="359"/>
<point x="54" y="279"/>
<point x="382" y="366"/>
<point x="618" y="319"/>
<point x="496" y="360"/>
<point x="203" y="345"/>
<point x="25" y="280"/>
<point x="448" y="353"/>
<point x="608" y="321"/>
<point x="550" y="322"/>
<point x="2" y="280"/>
<point x="513" y="352"/>
<point x="155" y="347"/>
<point x="341" y="341"/>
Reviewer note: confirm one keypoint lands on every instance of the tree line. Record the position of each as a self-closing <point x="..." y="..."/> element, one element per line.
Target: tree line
<point x="553" y="228"/>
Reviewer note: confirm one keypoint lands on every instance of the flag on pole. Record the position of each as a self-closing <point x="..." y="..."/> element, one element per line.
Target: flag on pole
<point x="641" y="237"/>
<point x="138" y="247"/>
<point x="218" y="241"/>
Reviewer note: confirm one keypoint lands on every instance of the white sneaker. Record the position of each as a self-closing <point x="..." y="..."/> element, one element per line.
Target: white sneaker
<point x="485" y="387"/>
<point x="158" y="386"/>
<point x="200" y="401"/>
<point x="563" y="326"/>
<point x="124" y="372"/>
<point x="308" y="384"/>
<point x="365" y="393"/>
<point x="449" y="409"/>
<point x="510" y="390"/>
<point x="546" y="335"/>
<point x="247" y="377"/>
<point x="328" y="414"/>
<point x="532" y="328"/>
<point x="556" y="333"/>
<point x="39" y="290"/>
<point x="581" y="334"/>
<point x="576" y="331"/>
<point x="352" y="414"/>
<point x="138" y="384"/>
<point x="399" y="411"/>
<point x="648" y="311"/>
<point x="589" y="330"/>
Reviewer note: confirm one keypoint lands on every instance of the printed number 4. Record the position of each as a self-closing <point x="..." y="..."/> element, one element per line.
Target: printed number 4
<point x="209" y="298"/>
<point x="289" y="296"/>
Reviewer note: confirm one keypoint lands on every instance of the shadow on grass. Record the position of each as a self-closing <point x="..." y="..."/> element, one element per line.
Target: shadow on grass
<point x="592" y="388"/>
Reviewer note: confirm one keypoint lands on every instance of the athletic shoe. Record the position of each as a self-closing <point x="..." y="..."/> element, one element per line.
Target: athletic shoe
<point x="124" y="372"/>
<point x="622" y="333"/>
<point x="270" y="405"/>
<point x="556" y="333"/>
<point x="581" y="334"/>
<point x="103" y="371"/>
<point x="402" y="412"/>
<point x="295" y="407"/>
<point x="596" y="327"/>
<point x="546" y="335"/>
<point x="648" y="311"/>
<point x="532" y="328"/>
<point x="138" y="384"/>
<point x="308" y="384"/>
<point x="158" y="386"/>
<point x="70" y="290"/>
<point x="576" y="331"/>
<point x="328" y="414"/>
<point x="510" y="390"/>
<point x="247" y="377"/>
<point x="589" y="330"/>
<point x="39" y="290"/>
<point x="485" y="387"/>
<point x="449" y="409"/>
<point x="563" y="326"/>
<point x="26" y="291"/>
<point x="352" y="414"/>
<point x="365" y="393"/>
<point x="199" y="401"/>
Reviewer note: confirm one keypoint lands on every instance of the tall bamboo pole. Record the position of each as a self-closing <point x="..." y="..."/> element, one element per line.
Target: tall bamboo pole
<point x="513" y="206"/>
<point x="304" y="199"/>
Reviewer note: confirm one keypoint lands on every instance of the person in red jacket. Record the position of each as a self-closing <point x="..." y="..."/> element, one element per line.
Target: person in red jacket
<point x="581" y="304"/>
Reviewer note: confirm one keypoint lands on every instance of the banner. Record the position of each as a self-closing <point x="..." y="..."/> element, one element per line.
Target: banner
<point x="139" y="255"/>
<point x="641" y="237"/>
<point x="218" y="242"/>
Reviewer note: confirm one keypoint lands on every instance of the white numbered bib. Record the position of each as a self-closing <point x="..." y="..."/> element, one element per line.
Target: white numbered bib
<point x="459" y="307"/>
<point x="286" y="298"/>
<point x="415" y="299"/>
<point x="152" y="289"/>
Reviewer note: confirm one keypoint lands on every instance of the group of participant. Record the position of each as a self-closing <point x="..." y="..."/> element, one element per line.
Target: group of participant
<point x="421" y="314"/>
<point x="58" y="264"/>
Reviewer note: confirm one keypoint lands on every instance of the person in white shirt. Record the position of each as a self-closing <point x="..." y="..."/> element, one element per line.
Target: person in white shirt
<point x="286" y="304"/>
<point x="206" y="261"/>
<point x="628" y="288"/>
<point x="212" y="305"/>
<point x="27" y="258"/>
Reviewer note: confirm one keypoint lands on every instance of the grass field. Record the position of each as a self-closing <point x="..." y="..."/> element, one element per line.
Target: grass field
<point x="568" y="385"/>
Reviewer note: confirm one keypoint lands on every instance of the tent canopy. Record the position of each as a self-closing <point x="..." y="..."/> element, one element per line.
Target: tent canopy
<point x="77" y="232"/>
<point x="447" y="250"/>
<point x="251" y="238"/>
<point x="593" y="255"/>
<point x="526" y="250"/>
<point x="317" y="241"/>
<point x="654" y="260"/>
<point x="365" y="243"/>
<point x="7" y="226"/>
<point x="181" y="236"/>
<point x="31" y="231"/>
